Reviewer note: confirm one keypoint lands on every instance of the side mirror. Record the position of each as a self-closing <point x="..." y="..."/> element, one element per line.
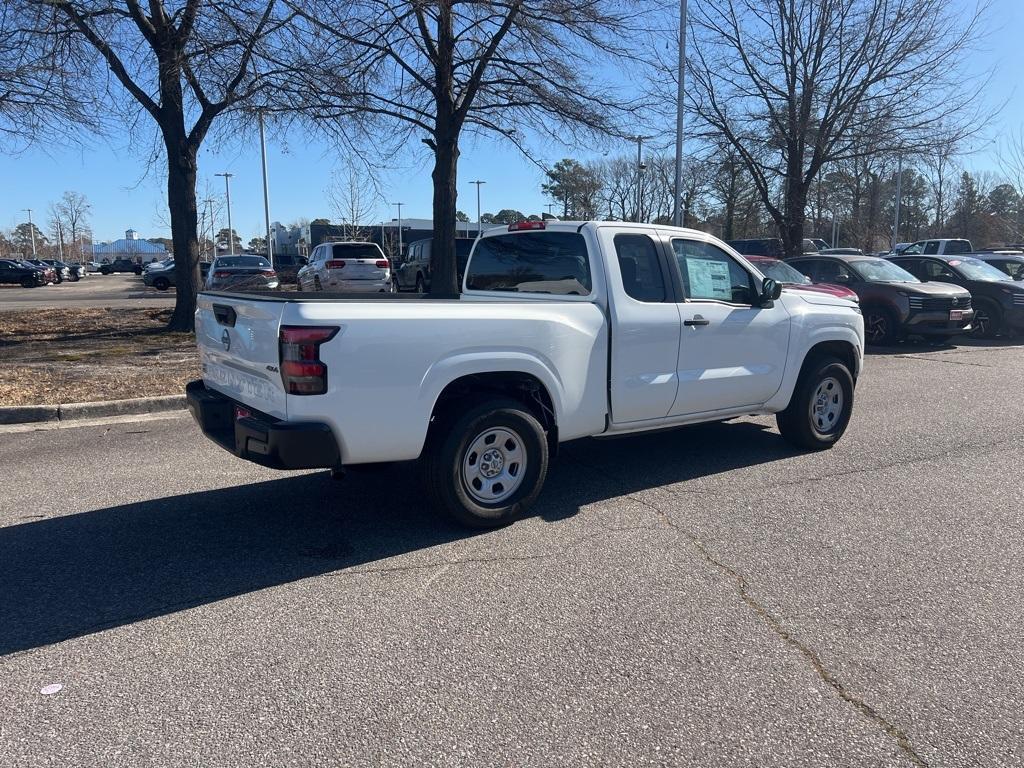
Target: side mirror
<point x="770" y="291"/>
<point x="303" y="261"/>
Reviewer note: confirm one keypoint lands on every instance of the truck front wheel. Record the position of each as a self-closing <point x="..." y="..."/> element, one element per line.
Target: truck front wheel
<point x="819" y="411"/>
<point x="486" y="466"/>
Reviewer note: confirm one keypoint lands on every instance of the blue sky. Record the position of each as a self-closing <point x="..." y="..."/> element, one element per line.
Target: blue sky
<point x="113" y="175"/>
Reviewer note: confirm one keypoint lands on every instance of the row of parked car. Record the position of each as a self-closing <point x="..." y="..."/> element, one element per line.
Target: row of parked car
<point x="30" y="273"/>
<point x="936" y="289"/>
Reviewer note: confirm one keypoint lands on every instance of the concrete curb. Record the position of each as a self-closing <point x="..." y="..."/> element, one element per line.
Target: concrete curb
<point x="22" y="414"/>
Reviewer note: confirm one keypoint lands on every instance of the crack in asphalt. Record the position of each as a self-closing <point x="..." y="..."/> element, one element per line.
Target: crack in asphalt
<point x="940" y="360"/>
<point x="775" y="624"/>
<point x="958" y="450"/>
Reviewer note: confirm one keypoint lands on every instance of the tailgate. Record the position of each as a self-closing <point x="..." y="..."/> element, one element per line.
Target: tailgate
<point x="238" y="350"/>
<point x="359" y="269"/>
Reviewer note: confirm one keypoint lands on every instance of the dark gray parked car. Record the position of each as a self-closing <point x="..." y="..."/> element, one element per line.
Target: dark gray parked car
<point x="241" y="273"/>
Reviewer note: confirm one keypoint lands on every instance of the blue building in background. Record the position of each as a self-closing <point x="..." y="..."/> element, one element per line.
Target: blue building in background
<point x="131" y="246"/>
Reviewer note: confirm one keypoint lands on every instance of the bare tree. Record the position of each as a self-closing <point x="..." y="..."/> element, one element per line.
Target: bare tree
<point x="795" y="84"/>
<point x="71" y="212"/>
<point x="39" y="79"/>
<point x="184" y="63"/>
<point x="437" y="69"/>
<point x="353" y="197"/>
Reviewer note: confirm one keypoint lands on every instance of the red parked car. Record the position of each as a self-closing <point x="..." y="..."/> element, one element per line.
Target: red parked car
<point x="781" y="272"/>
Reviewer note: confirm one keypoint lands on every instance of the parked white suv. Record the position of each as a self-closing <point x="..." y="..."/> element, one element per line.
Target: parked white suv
<point x="348" y="267"/>
<point x="563" y="330"/>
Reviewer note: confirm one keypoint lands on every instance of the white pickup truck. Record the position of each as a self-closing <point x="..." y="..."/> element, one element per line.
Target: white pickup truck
<point x="563" y="330"/>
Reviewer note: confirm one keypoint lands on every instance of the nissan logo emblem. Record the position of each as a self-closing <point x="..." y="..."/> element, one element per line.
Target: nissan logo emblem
<point x="225" y="339"/>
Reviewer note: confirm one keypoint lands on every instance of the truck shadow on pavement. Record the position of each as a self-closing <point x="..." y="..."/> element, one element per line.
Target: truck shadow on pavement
<point x="69" y="576"/>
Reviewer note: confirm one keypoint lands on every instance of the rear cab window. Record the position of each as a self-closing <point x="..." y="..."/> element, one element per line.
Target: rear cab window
<point x="640" y="268"/>
<point x="549" y="262"/>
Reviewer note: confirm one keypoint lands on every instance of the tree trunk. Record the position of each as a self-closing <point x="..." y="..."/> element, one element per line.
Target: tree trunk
<point x="443" y="265"/>
<point x="181" y="200"/>
<point x="728" y="225"/>
<point x="795" y="217"/>
<point x="447" y="125"/>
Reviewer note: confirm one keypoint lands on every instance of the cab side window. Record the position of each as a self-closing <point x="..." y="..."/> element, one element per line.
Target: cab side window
<point x="913" y="266"/>
<point x="710" y="274"/>
<point x="932" y="246"/>
<point x="830" y="271"/>
<point x="932" y="269"/>
<point x="640" y="269"/>
<point x="806" y="267"/>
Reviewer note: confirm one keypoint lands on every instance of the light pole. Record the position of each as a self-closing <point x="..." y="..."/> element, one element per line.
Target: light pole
<point x="213" y="244"/>
<point x="899" y="199"/>
<point x="266" y="190"/>
<point x="549" y="206"/>
<point x="31" y="231"/>
<point x="399" y="228"/>
<point x="478" y="224"/>
<point x="227" y="195"/>
<point x="677" y="209"/>
<point x="60" y="241"/>
<point x="640" y="167"/>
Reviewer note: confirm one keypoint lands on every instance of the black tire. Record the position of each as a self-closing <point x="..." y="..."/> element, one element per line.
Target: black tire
<point x="988" y="319"/>
<point x="805" y="428"/>
<point x="104" y="270"/>
<point x="450" y="447"/>
<point x="881" y="326"/>
<point x="138" y="270"/>
<point x="421" y="287"/>
<point x="60" y="279"/>
<point x="161" y="283"/>
<point x="28" y="282"/>
<point x="75" y="278"/>
<point x="316" y="284"/>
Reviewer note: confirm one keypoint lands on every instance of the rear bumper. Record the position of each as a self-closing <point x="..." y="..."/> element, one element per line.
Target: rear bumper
<point x="358" y="286"/>
<point x="259" y="438"/>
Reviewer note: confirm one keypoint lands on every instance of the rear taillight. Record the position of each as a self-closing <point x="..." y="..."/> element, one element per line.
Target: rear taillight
<point x="269" y="273"/>
<point x="382" y="264"/>
<point x="334" y="264"/>
<point x="222" y="274"/>
<point x="302" y="371"/>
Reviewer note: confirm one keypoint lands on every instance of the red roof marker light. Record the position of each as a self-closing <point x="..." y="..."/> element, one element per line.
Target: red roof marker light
<point x="521" y="226"/>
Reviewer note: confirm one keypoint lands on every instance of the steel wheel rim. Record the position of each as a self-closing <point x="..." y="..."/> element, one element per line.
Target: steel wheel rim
<point x="494" y="465"/>
<point x="876" y="326"/>
<point x="826" y="405"/>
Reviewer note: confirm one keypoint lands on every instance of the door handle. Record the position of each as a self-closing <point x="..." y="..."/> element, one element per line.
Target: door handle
<point x="697" y="320"/>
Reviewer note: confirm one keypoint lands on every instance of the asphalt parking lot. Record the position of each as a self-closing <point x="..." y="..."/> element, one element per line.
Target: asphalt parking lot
<point x="116" y="291"/>
<point x="705" y="597"/>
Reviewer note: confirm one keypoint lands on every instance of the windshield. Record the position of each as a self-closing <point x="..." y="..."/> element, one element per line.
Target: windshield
<point x="781" y="272"/>
<point x="881" y="271"/>
<point x="251" y="262"/>
<point x="976" y="269"/>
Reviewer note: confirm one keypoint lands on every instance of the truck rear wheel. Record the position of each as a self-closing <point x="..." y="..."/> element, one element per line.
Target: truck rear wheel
<point x="486" y="466"/>
<point x="820" y="408"/>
